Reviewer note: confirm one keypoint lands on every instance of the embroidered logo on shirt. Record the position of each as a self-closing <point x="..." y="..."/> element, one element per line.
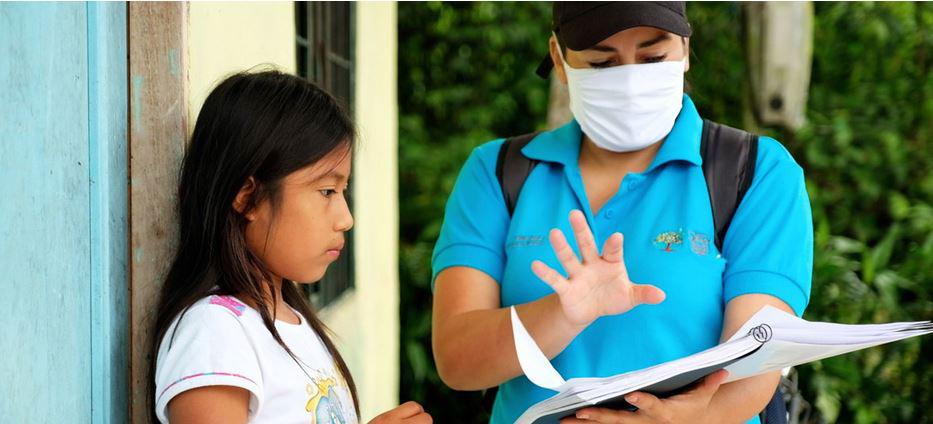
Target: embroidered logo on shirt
<point x="230" y="303"/>
<point x="668" y="241"/>
<point x="526" y="241"/>
<point x="699" y="243"/>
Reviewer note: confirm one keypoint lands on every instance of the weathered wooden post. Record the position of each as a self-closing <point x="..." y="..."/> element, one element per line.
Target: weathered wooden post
<point x="158" y="130"/>
<point x="779" y="49"/>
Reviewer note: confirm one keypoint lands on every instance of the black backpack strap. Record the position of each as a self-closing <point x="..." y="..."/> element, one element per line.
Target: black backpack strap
<point x="512" y="168"/>
<point x="729" y="157"/>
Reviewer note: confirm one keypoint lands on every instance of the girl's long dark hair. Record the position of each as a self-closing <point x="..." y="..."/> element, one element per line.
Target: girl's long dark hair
<point x="264" y="125"/>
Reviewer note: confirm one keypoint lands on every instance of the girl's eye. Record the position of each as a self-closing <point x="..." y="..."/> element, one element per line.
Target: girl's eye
<point x="327" y="192"/>
<point x="654" y="59"/>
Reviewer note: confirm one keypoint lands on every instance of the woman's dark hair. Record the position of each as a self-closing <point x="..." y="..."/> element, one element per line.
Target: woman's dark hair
<point x="264" y="125"/>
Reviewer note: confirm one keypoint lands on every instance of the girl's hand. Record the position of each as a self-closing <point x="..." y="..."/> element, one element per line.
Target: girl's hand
<point x="407" y="413"/>
<point x="687" y="407"/>
<point x="597" y="286"/>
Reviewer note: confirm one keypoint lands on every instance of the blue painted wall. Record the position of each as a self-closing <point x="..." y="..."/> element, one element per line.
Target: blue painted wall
<point x="63" y="206"/>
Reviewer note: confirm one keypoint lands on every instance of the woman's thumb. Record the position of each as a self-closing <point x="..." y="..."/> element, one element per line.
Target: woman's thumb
<point x="647" y="294"/>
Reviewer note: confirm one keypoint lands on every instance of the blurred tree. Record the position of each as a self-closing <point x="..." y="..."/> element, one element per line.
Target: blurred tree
<point x="466" y="76"/>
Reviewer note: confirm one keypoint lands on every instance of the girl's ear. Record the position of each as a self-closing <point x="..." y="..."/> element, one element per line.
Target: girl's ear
<point x="244" y="199"/>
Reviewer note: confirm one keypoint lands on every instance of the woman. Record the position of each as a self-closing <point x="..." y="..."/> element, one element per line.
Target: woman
<point x="629" y="163"/>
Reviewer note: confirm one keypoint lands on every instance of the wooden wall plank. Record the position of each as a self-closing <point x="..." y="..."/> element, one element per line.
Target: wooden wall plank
<point x="157" y="142"/>
<point x="44" y="225"/>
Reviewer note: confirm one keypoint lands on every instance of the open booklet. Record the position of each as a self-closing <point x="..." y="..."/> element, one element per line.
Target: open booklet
<point x="770" y="340"/>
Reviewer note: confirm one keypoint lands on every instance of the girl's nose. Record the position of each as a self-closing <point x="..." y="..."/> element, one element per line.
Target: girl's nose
<point x="345" y="220"/>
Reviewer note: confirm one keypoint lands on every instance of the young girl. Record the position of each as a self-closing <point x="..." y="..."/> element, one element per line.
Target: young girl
<point x="262" y="208"/>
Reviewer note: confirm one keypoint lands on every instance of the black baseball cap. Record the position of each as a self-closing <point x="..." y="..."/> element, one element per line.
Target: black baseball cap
<point x="579" y="25"/>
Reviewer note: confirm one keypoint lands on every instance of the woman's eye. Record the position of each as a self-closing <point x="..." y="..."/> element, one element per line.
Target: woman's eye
<point x="603" y="64"/>
<point x="654" y="59"/>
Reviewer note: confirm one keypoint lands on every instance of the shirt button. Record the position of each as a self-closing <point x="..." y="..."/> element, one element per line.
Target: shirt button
<point x="608" y="213"/>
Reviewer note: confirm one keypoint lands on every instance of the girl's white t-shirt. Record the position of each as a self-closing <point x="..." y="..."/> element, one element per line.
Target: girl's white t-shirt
<point x="222" y="342"/>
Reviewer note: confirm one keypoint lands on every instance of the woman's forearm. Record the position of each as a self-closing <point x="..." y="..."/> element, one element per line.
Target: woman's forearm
<point x="740" y="400"/>
<point x="475" y="350"/>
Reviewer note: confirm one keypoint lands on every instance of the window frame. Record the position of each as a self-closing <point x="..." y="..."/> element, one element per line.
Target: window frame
<point x="325" y="38"/>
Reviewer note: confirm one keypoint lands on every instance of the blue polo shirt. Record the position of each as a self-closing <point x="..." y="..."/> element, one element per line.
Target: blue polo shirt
<point x="666" y="217"/>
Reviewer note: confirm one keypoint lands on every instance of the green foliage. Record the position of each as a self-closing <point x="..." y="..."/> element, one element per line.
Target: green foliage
<point x="466" y="75"/>
<point x="867" y="159"/>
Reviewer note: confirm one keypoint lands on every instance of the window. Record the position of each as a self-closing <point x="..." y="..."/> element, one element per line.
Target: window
<point x="324" y="41"/>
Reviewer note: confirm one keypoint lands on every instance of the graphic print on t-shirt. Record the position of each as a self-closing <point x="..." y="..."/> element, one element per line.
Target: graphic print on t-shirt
<point x="324" y="403"/>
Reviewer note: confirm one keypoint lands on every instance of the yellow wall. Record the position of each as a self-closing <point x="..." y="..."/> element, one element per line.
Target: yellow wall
<point x="229" y="37"/>
<point x="366" y="323"/>
<point x="226" y="37"/>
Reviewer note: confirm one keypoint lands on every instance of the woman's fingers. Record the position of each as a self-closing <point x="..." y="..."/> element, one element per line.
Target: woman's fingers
<point x="568" y="259"/>
<point x="584" y="236"/>
<point x="605" y="416"/>
<point x="703" y="392"/>
<point x="612" y="248"/>
<point x="551" y="277"/>
<point x="647" y="294"/>
<point x="648" y="405"/>
<point x="711" y="383"/>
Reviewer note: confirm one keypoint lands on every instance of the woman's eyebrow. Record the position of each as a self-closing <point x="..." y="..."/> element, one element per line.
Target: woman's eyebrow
<point x="663" y="37"/>
<point x="643" y="44"/>
<point x="603" y="48"/>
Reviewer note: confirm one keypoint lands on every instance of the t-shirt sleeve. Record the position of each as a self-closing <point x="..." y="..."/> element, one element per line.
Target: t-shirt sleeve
<point x="208" y="348"/>
<point x="769" y="245"/>
<point x="475" y="219"/>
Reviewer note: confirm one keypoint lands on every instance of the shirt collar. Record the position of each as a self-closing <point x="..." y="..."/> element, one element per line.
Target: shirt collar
<point x="562" y="145"/>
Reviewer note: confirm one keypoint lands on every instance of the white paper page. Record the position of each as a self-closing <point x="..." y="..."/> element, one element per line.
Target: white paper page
<point x="534" y="364"/>
<point x="766" y="315"/>
<point x="803" y="331"/>
<point x="793" y="341"/>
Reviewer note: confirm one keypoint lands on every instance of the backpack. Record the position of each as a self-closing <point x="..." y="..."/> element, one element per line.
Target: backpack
<point x="729" y="157"/>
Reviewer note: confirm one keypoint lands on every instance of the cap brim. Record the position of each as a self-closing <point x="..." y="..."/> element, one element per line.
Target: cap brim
<point x="604" y="21"/>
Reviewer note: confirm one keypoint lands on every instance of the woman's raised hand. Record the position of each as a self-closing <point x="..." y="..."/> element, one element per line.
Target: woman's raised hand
<point x="596" y="286"/>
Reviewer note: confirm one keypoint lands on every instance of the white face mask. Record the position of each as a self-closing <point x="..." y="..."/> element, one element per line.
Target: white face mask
<point x="628" y="107"/>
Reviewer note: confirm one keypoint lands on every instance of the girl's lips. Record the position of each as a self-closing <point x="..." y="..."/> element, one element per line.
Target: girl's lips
<point x="335" y="251"/>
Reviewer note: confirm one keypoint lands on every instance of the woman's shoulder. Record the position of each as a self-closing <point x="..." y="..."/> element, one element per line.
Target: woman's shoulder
<point x="773" y="155"/>
<point x="480" y="165"/>
<point x="486" y="153"/>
